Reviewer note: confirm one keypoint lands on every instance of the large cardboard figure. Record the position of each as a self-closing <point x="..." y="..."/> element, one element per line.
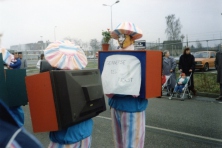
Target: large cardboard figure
<point x="12" y="86"/>
<point x="59" y="99"/>
<point x="151" y="67"/>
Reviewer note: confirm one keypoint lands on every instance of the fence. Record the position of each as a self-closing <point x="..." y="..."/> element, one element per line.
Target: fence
<point x="176" y="47"/>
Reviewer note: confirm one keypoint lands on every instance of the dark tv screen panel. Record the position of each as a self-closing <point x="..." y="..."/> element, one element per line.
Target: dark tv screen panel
<point x="78" y="95"/>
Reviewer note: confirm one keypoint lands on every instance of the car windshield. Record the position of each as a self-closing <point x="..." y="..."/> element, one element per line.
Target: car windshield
<point x="201" y="55"/>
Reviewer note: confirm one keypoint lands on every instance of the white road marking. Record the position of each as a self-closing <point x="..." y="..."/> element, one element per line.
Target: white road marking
<point x="176" y="132"/>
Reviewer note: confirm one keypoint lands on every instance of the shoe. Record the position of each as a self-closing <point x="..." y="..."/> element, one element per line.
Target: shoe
<point x="219" y="98"/>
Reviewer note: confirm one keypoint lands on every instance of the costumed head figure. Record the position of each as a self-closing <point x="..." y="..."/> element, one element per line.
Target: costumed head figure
<point x="65" y="55"/>
<point x="126" y="33"/>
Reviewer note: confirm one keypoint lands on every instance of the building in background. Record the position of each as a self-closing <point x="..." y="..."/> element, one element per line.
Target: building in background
<point x="40" y="45"/>
<point x="31" y="51"/>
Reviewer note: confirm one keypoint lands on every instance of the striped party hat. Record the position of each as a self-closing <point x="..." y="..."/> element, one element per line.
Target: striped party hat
<point x="65" y="55"/>
<point x="127" y="28"/>
<point x="6" y="56"/>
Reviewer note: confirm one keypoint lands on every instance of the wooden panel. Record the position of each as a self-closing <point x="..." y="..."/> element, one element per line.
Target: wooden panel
<point x="41" y="102"/>
<point x="17" y="96"/>
<point x="153" y="73"/>
<point x="3" y="88"/>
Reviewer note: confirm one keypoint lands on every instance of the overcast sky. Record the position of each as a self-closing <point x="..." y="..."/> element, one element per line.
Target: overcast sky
<point x="24" y="21"/>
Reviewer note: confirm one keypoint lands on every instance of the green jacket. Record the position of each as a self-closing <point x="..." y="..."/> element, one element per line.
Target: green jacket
<point x="184" y="82"/>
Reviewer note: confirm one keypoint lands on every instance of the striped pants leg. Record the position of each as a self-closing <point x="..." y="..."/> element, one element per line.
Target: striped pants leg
<point x="85" y="143"/>
<point x="128" y="129"/>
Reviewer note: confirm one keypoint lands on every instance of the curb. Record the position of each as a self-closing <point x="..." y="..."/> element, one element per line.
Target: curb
<point x="209" y="95"/>
<point x="202" y="94"/>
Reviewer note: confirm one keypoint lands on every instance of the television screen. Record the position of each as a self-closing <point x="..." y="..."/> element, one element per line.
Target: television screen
<point x="78" y="95"/>
<point x="45" y="66"/>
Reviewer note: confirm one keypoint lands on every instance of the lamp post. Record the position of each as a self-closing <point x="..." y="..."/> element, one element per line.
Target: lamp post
<point x="41" y="43"/>
<point x="111" y="12"/>
<point x="0" y="39"/>
<point x="55" y="33"/>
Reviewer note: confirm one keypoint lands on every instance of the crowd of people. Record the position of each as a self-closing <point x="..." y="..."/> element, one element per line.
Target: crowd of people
<point x="186" y="67"/>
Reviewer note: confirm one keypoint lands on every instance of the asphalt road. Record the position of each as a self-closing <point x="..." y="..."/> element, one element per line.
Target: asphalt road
<point x="195" y="123"/>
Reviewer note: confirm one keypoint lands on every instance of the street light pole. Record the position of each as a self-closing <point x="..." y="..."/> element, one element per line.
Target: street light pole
<point x="41" y="43"/>
<point x="111" y="18"/>
<point x="111" y="6"/>
<point x="0" y="39"/>
<point x="55" y="33"/>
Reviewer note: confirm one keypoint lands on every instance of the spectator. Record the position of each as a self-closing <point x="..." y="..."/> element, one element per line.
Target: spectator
<point x="218" y="65"/>
<point x="181" y="82"/>
<point x="16" y="63"/>
<point x="187" y="66"/>
<point x="169" y="66"/>
<point x="23" y="61"/>
<point x="39" y="62"/>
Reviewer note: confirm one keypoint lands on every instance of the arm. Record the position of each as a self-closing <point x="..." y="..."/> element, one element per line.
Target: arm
<point x="185" y="81"/>
<point x="178" y="80"/>
<point x="15" y="65"/>
<point x="193" y="63"/>
<point x="174" y="64"/>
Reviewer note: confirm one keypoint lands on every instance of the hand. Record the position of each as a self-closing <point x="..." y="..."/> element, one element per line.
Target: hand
<point x="190" y="70"/>
<point x="8" y="66"/>
<point x="171" y="70"/>
<point x="180" y="70"/>
<point x="135" y="96"/>
<point x="179" y="83"/>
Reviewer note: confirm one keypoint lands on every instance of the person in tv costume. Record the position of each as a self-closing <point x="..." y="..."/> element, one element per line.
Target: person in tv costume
<point x="69" y="57"/>
<point x="127" y="111"/>
<point x="17" y="110"/>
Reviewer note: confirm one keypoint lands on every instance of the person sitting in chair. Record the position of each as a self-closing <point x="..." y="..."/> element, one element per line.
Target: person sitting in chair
<point x="181" y="82"/>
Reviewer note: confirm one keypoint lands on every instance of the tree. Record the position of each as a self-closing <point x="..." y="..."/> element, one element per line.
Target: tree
<point x="173" y="29"/>
<point x="95" y="44"/>
<point x="199" y="45"/>
<point x="85" y="46"/>
<point x="76" y="41"/>
<point x="182" y="37"/>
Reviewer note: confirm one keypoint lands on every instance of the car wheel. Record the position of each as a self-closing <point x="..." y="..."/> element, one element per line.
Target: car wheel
<point x="206" y="67"/>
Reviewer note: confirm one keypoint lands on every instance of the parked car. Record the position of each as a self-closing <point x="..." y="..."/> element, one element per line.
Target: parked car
<point x="204" y="60"/>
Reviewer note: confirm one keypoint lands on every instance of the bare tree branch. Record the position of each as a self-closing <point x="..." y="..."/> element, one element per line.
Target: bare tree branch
<point x="173" y="29"/>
